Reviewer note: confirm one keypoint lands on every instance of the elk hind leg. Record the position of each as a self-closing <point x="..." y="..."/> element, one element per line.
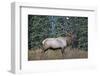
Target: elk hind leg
<point x="44" y="50"/>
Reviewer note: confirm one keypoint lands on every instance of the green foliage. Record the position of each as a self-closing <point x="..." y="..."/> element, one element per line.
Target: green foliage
<point x="41" y="27"/>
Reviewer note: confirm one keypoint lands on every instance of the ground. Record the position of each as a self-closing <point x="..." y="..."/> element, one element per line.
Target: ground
<point x="70" y="53"/>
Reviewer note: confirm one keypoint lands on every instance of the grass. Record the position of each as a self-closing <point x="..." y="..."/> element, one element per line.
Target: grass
<point x="70" y="53"/>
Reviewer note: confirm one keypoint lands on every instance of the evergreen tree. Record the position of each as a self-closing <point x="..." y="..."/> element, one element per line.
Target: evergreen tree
<point x="41" y="27"/>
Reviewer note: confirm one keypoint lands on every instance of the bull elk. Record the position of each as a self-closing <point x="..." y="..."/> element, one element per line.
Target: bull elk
<point x="57" y="43"/>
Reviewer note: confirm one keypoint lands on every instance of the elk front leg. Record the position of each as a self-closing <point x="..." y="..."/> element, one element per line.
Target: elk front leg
<point x="62" y="50"/>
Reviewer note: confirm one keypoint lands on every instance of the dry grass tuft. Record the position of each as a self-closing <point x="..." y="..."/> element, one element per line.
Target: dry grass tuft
<point x="56" y="54"/>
